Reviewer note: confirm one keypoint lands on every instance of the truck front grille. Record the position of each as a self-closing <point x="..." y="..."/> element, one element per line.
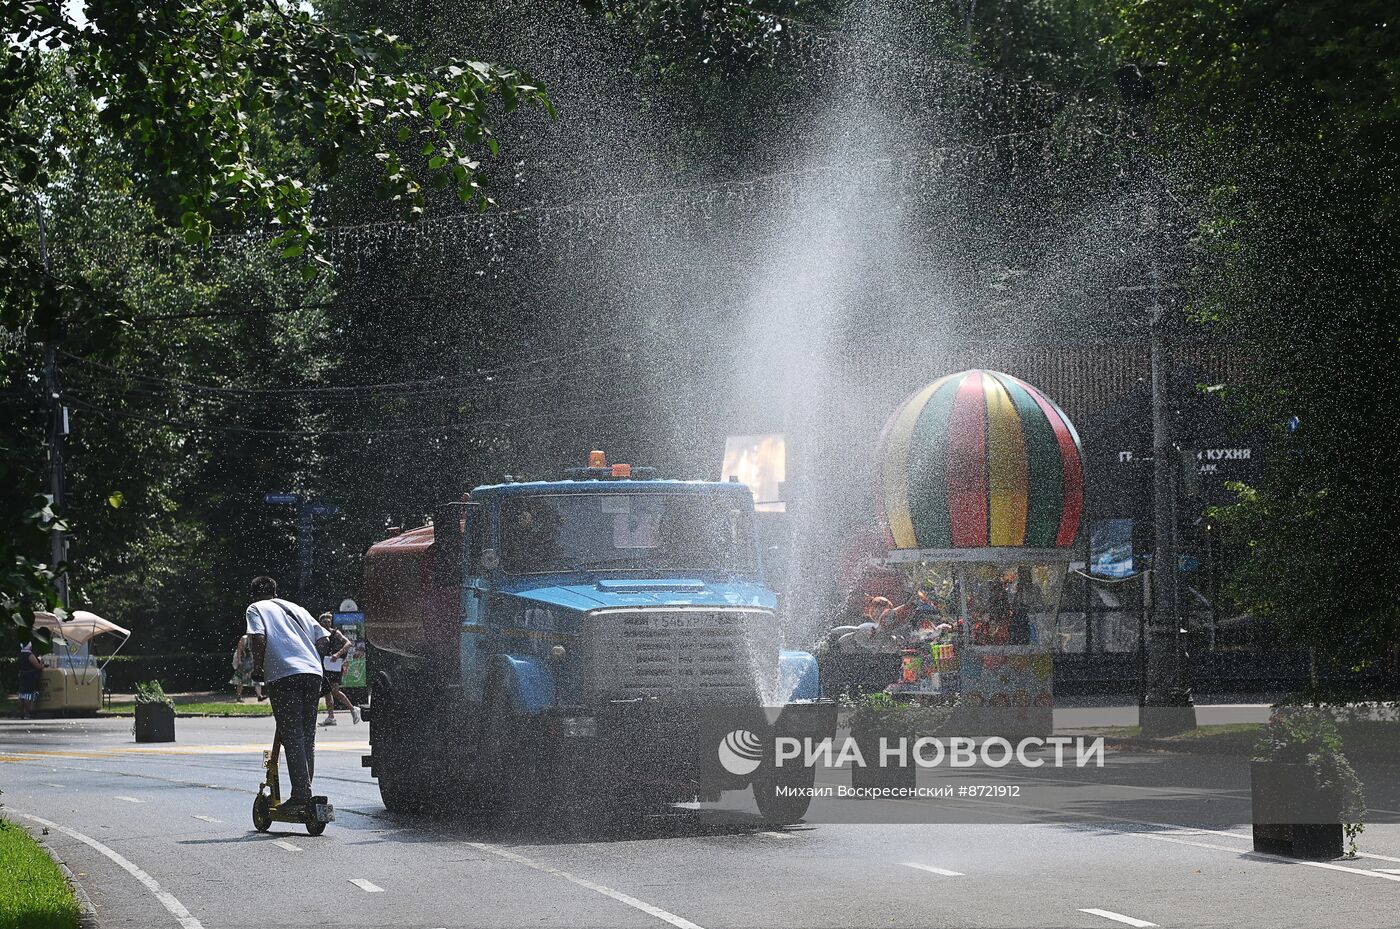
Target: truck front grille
<point x="686" y="655"/>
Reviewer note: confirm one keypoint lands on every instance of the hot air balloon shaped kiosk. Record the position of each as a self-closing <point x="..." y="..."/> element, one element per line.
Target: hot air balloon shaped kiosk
<point x="980" y="492"/>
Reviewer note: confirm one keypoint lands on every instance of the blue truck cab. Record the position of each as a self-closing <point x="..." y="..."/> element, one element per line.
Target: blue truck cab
<point x="606" y="631"/>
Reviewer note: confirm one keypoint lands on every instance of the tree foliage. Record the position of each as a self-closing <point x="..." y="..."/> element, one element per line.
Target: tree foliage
<point x="1282" y="117"/>
<point x="202" y="116"/>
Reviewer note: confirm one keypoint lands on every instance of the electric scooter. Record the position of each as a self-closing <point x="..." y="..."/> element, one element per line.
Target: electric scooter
<point x="267" y="805"/>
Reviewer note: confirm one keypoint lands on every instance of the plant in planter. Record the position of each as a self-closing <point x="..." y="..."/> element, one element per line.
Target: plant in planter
<point x="155" y="714"/>
<point x="1305" y="794"/>
<point x="880" y="715"/>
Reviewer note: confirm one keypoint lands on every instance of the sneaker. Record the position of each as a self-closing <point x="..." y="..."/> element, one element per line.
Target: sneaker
<point x="355" y="714"/>
<point x="261" y="698"/>
<point x="328" y="721"/>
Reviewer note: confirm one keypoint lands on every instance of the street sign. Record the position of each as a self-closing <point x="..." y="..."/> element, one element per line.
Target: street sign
<point x="349" y="606"/>
<point x="323" y="509"/>
<point x="282" y="499"/>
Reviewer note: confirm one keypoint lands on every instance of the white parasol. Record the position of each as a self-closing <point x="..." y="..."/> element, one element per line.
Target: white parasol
<point x="81" y="629"/>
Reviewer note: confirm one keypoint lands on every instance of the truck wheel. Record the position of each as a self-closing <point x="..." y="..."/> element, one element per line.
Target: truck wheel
<point x="778" y="808"/>
<point x="499" y="758"/>
<point x="398" y="756"/>
<point x="396" y="788"/>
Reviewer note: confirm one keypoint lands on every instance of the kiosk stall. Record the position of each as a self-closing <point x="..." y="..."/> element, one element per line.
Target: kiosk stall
<point x="71" y="681"/>
<point x="980" y="493"/>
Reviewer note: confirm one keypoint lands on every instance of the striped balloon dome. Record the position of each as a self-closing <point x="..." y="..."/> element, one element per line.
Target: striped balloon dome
<point x="980" y="459"/>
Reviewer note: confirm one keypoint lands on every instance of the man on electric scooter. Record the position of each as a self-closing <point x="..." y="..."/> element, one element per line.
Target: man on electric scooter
<point x="287" y="648"/>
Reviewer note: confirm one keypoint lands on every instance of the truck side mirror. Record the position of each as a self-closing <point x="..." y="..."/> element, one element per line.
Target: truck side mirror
<point x="451" y="522"/>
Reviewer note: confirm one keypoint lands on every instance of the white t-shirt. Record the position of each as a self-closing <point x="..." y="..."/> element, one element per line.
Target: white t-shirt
<point x="291" y="634"/>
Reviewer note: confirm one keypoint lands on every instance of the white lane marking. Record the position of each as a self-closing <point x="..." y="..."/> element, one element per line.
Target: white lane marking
<point x="207" y="819"/>
<point x="366" y="886"/>
<point x="775" y="835"/>
<point x="619" y="896"/>
<point x="59" y="786"/>
<point x="1377" y="857"/>
<point x="1118" y="917"/>
<point x="167" y="899"/>
<point x="282" y="843"/>
<point x="130" y="799"/>
<point x="1247" y="838"/>
<point x="1116" y="823"/>
<point x="1264" y="856"/>
<point x="1387" y="870"/>
<point x="932" y="870"/>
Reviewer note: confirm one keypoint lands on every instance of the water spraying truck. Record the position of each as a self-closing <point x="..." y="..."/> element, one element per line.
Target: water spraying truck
<point x="603" y="641"/>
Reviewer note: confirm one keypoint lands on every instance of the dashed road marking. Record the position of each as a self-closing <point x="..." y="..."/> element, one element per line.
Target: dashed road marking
<point x="129" y="799"/>
<point x="619" y="896"/>
<point x="59" y="786"/>
<point x="207" y="819"/>
<point x="1387" y="870"/>
<point x="1118" y="917"/>
<point x="366" y="886"/>
<point x="167" y="899"/>
<point x="932" y="870"/>
<point x="283" y="843"/>
<point x="776" y="835"/>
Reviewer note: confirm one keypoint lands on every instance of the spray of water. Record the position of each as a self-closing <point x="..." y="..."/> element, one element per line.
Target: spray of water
<point x="799" y="268"/>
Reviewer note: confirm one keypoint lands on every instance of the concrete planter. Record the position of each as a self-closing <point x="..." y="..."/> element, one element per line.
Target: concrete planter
<point x="1292" y="815"/>
<point x="155" y="722"/>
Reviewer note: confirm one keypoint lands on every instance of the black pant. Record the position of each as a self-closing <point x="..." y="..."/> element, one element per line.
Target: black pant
<point x="294" y="700"/>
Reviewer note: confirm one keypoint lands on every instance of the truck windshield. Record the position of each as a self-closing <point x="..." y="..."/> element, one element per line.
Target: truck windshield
<point x="631" y="532"/>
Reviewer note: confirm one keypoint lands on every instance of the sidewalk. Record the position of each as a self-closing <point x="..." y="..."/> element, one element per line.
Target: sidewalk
<point x="1072" y="718"/>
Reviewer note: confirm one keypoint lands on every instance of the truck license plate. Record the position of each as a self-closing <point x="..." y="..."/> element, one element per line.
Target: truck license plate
<point x="680" y="620"/>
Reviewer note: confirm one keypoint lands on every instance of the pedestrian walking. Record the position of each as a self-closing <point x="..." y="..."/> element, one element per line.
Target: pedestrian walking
<point x="287" y="648"/>
<point x="243" y="671"/>
<point x="30" y="668"/>
<point x="333" y="664"/>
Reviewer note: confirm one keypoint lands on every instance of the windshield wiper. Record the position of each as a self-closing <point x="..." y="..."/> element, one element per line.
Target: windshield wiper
<point x="613" y="561"/>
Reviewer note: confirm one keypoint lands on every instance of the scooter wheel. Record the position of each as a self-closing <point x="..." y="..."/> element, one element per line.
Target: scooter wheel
<point x="315" y="827"/>
<point x="262" y="813"/>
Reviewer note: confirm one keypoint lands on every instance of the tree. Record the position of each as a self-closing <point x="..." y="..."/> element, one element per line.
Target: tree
<point x="1283" y="118"/>
<point x="228" y="114"/>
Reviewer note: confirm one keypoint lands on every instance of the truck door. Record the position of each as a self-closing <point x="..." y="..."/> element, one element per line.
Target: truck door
<point x="479" y="561"/>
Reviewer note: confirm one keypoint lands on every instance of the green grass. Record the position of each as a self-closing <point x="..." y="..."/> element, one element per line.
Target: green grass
<point x="33" y="892"/>
<point x="211" y="708"/>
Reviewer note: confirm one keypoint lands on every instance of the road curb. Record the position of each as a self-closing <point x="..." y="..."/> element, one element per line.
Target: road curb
<point x="191" y="716"/>
<point x="87" y="912"/>
<point x="1177" y="747"/>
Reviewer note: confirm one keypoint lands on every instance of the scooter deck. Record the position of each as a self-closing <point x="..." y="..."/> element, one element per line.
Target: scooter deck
<point x="319" y="810"/>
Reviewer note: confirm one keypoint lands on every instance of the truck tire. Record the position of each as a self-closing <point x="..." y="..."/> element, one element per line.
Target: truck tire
<point x="501" y="778"/>
<point x="783" y="809"/>
<point x="413" y="760"/>
<point x="393" y="764"/>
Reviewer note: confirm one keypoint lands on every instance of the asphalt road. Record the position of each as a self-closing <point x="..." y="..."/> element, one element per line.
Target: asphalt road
<point x="160" y="836"/>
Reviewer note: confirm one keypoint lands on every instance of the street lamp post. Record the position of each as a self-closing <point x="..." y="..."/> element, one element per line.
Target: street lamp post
<point x="58" y="429"/>
<point x="1166" y="706"/>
